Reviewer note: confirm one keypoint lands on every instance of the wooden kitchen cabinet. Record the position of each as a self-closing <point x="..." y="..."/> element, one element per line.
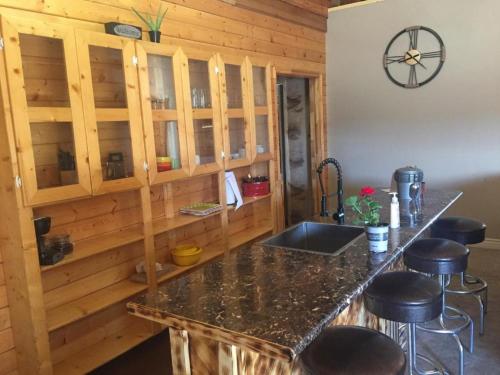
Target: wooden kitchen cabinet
<point x="112" y="110"/>
<point x="44" y="87"/>
<point x="236" y="111"/>
<point x="262" y="118"/>
<point x="163" y="110"/>
<point x="202" y="109"/>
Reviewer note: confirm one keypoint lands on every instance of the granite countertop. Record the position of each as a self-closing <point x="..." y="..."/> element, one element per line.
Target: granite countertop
<point x="281" y="296"/>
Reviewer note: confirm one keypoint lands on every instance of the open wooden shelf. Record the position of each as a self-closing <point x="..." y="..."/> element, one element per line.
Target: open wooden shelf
<point x="90" y="304"/>
<point x="247" y="235"/>
<point x="180" y="220"/>
<point x="250" y="200"/>
<point x="86" y="248"/>
<point x="209" y="252"/>
<point x="110" y="347"/>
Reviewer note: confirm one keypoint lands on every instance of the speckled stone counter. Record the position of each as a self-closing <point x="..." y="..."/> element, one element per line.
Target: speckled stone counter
<point x="274" y="301"/>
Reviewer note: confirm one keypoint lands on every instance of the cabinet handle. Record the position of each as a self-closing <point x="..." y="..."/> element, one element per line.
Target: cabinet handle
<point x="145" y="166"/>
<point x="18" y="182"/>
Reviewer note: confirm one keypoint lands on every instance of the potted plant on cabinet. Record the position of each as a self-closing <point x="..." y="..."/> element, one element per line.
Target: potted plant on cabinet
<point x="367" y="212"/>
<point x="153" y="24"/>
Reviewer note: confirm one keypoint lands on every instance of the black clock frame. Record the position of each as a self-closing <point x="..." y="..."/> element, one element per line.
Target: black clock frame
<point x="441" y="56"/>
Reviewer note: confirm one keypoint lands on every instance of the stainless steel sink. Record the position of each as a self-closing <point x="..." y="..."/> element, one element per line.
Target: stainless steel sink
<point x="314" y="237"/>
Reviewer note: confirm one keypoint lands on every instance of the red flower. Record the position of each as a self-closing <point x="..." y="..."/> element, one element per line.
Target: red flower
<point x="366" y="191"/>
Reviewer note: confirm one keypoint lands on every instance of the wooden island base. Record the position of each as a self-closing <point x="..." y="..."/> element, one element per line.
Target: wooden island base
<point x="200" y="349"/>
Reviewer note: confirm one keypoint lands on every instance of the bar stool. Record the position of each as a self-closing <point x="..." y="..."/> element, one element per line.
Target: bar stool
<point x="349" y="350"/>
<point x="444" y="258"/>
<point x="467" y="232"/>
<point x="407" y="297"/>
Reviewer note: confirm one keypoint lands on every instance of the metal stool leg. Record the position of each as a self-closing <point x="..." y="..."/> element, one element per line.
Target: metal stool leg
<point x="413" y="355"/>
<point x="480" y="293"/>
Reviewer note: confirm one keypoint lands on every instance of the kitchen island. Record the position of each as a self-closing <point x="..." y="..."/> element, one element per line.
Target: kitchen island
<point x="253" y="311"/>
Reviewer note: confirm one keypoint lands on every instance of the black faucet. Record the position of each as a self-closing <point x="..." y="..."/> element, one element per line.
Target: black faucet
<point x="339" y="215"/>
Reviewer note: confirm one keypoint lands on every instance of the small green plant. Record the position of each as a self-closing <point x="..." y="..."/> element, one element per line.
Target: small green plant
<point x="367" y="210"/>
<point x="153" y="24"/>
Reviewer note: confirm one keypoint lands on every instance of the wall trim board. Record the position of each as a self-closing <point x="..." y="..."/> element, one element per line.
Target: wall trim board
<point x="489" y="243"/>
<point x="353" y="5"/>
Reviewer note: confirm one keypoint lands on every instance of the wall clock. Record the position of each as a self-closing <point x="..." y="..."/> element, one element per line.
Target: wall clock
<point x="414" y="57"/>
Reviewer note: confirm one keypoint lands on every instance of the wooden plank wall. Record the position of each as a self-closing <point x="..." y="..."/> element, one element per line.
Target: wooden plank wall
<point x="288" y="33"/>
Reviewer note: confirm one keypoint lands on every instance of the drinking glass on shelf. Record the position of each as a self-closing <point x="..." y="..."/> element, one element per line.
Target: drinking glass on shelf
<point x="194" y="98"/>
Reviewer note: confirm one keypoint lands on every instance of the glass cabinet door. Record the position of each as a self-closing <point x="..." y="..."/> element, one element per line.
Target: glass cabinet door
<point x="47" y="110"/>
<point x="202" y="108"/>
<point x="110" y="91"/>
<point x="236" y="115"/>
<point x="260" y="87"/>
<point x="163" y="111"/>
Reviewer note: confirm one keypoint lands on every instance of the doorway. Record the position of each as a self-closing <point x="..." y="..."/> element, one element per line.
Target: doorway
<point x="295" y="140"/>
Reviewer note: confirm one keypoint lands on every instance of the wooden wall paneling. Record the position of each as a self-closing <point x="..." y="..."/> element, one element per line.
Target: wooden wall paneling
<point x="203" y="26"/>
<point x="32" y="193"/>
<point x="194" y="26"/>
<point x="252" y="18"/>
<point x="20" y="258"/>
<point x="283" y="10"/>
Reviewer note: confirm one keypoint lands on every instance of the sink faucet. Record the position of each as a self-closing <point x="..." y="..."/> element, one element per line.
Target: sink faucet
<point x="339" y="215"/>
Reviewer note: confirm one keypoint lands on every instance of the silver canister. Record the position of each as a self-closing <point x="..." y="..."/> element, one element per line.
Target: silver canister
<point x="405" y="177"/>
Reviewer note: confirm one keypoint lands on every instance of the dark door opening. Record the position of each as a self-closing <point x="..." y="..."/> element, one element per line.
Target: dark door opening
<point x="295" y="140"/>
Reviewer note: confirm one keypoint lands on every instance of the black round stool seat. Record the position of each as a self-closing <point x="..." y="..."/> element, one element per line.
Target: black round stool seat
<point x="405" y="297"/>
<point x="437" y="256"/>
<point x="460" y="229"/>
<point x="348" y="350"/>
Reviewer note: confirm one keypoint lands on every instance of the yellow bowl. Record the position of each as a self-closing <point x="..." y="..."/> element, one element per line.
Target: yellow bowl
<point x="186" y="260"/>
<point x="185" y="250"/>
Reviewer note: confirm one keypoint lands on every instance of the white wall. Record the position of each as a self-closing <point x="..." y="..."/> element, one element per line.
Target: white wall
<point x="450" y="128"/>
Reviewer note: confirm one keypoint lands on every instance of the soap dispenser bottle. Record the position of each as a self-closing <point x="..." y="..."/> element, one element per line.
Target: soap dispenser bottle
<point x="394" y="212"/>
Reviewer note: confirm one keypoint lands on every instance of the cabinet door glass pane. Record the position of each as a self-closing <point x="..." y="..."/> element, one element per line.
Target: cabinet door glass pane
<point x="161" y="82"/>
<point x="233" y="86"/>
<point x="54" y="152"/>
<point x="204" y="141"/>
<point x="115" y="148"/>
<point x="167" y="145"/>
<point x="237" y="138"/>
<point x="108" y="78"/>
<point x="200" y="84"/>
<point x="259" y="86"/>
<point x="44" y="71"/>
<point x="262" y="134"/>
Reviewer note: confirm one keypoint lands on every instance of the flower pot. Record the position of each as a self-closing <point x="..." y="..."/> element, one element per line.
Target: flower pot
<point x="154" y="36"/>
<point x="378" y="237"/>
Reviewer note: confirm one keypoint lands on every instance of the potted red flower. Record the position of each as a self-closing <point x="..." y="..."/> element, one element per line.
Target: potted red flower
<point x="367" y="212"/>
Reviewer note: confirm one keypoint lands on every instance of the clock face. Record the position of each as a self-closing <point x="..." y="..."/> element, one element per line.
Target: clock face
<point x="414" y="57"/>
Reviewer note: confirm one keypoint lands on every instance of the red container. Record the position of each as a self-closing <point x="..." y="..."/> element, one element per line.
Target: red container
<point x="255" y="189"/>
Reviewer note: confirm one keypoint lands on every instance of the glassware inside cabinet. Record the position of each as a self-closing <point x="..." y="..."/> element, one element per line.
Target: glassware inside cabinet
<point x="200" y="84"/>
<point x="166" y="135"/>
<point x="161" y="82"/>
